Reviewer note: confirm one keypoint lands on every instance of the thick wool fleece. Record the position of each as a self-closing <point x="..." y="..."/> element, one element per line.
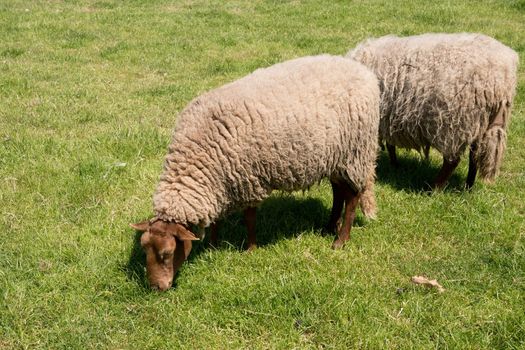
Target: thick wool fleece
<point x="446" y="91"/>
<point x="284" y="127"/>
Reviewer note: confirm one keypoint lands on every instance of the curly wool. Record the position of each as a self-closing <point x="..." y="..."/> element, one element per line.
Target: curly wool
<point x="284" y="127"/>
<point x="444" y="91"/>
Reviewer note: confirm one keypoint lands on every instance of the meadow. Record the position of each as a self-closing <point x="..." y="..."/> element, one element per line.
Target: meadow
<point x="89" y="94"/>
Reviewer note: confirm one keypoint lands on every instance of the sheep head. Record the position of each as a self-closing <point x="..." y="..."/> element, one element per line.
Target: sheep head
<point x="167" y="245"/>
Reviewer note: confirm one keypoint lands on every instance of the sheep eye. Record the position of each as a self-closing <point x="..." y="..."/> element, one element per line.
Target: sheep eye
<point x="165" y="256"/>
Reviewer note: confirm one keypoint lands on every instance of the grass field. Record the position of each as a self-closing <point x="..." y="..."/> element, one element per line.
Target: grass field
<point x="89" y="92"/>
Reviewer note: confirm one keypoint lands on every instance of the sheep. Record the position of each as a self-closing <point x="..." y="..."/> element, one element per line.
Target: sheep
<point x="280" y="128"/>
<point x="446" y="91"/>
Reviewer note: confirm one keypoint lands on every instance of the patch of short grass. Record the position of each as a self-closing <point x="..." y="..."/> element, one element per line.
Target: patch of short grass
<point x="89" y="92"/>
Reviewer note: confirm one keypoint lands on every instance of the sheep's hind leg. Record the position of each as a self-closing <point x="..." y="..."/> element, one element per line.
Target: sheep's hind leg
<point x="336" y="208"/>
<point x="472" y="167"/>
<point x="444" y="174"/>
<point x="249" y="217"/>
<point x="351" y="199"/>
<point x="392" y="155"/>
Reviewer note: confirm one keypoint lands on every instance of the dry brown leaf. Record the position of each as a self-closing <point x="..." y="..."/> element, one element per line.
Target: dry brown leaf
<point x="429" y="283"/>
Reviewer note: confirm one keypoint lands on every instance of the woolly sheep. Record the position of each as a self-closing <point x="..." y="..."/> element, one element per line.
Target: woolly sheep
<point x="447" y="91"/>
<point x="280" y="128"/>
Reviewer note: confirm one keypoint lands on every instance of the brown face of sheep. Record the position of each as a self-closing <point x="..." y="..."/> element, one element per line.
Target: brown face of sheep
<point x="167" y="245"/>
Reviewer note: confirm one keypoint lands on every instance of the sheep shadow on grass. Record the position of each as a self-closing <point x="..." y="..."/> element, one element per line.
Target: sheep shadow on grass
<point x="414" y="173"/>
<point x="281" y="216"/>
<point x="135" y="268"/>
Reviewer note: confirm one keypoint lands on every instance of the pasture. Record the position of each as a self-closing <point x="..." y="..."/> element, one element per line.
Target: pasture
<point x="89" y="93"/>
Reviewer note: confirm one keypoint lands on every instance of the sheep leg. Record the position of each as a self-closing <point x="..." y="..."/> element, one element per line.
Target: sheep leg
<point x="445" y="172"/>
<point x="426" y="152"/>
<point x="336" y="208"/>
<point x="351" y="199"/>
<point x="214" y="234"/>
<point x="249" y="217"/>
<point x="392" y="155"/>
<point x="472" y="167"/>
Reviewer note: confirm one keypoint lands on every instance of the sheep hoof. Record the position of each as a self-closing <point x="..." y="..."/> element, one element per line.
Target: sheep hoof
<point x="338" y="244"/>
<point x="468" y="187"/>
<point x="251" y="247"/>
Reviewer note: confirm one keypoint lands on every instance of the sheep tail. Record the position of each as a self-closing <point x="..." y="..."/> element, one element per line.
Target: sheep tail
<point x="367" y="201"/>
<point x="492" y="145"/>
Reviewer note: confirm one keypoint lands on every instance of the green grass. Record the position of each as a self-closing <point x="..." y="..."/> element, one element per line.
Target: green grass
<point x="89" y="92"/>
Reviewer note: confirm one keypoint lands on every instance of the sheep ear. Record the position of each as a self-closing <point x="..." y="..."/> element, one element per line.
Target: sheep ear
<point x="182" y="250"/>
<point x="187" y="248"/>
<point x="184" y="235"/>
<point x="141" y="226"/>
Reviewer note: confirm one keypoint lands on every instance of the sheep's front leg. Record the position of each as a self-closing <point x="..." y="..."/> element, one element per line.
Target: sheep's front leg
<point x="336" y="208"/>
<point x="214" y="234"/>
<point x="426" y="152"/>
<point x="444" y="174"/>
<point x="472" y="167"/>
<point x="249" y="217"/>
<point x="351" y="198"/>
<point x="392" y="155"/>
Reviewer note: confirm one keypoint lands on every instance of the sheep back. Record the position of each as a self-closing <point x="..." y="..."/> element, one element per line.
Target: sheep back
<point x="284" y="127"/>
<point x="444" y="91"/>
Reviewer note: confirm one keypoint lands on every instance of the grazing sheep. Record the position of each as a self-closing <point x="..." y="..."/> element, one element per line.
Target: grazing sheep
<point x="447" y="91"/>
<point x="284" y="127"/>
